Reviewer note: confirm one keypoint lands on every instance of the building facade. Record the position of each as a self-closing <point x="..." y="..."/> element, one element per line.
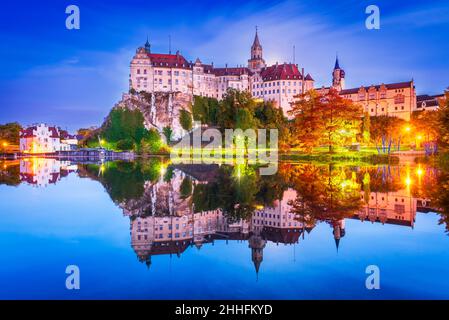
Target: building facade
<point x="391" y="99"/>
<point x="41" y="138"/>
<point x="279" y="83"/>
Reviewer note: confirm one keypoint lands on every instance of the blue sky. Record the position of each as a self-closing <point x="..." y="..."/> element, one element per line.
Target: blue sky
<point x="73" y="77"/>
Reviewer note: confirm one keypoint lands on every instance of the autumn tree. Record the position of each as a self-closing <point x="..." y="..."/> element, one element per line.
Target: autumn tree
<point x="341" y="116"/>
<point x="325" y="118"/>
<point x="307" y="126"/>
<point x="387" y="132"/>
<point x="427" y="130"/>
<point x="443" y="121"/>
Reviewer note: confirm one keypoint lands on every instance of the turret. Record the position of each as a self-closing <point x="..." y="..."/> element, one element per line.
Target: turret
<point x="338" y="76"/>
<point x="147" y="46"/>
<point x="256" y="63"/>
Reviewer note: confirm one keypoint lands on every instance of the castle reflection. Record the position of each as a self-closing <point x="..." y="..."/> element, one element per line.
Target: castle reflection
<point x="174" y="207"/>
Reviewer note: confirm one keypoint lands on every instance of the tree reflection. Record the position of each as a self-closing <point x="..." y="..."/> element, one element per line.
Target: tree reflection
<point x="124" y="180"/>
<point x="10" y="173"/>
<point x="324" y="193"/>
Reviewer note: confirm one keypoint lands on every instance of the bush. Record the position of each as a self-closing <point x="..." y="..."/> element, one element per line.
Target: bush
<point x="125" y="144"/>
<point x="151" y="143"/>
<point x="185" y="119"/>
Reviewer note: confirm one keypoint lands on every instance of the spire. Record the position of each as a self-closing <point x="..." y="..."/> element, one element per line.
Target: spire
<point x="147" y="45"/>
<point x="337" y="243"/>
<point x="256" y="42"/>
<point x="337" y="65"/>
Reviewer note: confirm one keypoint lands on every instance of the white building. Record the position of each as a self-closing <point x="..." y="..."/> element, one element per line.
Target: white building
<point x="154" y="72"/>
<point x="40" y="138"/>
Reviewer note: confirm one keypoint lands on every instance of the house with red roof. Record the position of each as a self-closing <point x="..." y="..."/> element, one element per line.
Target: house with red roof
<point x="40" y="138"/>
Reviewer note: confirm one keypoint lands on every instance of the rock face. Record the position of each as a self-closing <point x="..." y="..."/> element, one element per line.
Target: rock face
<point x="160" y="109"/>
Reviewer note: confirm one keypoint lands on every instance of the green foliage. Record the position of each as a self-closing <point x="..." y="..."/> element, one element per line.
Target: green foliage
<point x="124" y="124"/>
<point x="245" y="119"/>
<point x="205" y="110"/>
<point x="186" y="188"/>
<point x="125" y="145"/>
<point x="185" y="119"/>
<point x="168" y="133"/>
<point x="125" y="130"/>
<point x="9" y="133"/>
<point x="151" y="142"/>
<point x="125" y="181"/>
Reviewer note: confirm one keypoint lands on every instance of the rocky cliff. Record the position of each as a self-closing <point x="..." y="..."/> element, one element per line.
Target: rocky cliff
<point x="160" y="109"/>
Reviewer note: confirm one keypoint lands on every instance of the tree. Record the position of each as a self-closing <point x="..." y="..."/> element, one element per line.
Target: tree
<point x="185" y="119"/>
<point x="427" y="130"/>
<point x="151" y="142"/>
<point x="443" y="121"/>
<point x="365" y="129"/>
<point x="387" y="132"/>
<point x="124" y="124"/>
<point x="185" y="189"/>
<point x="125" y="144"/>
<point x="245" y="120"/>
<point x="324" y="118"/>
<point x="9" y="133"/>
<point x="168" y="133"/>
<point x="307" y="126"/>
<point x="340" y="116"/>
<point x="229" y="107"/>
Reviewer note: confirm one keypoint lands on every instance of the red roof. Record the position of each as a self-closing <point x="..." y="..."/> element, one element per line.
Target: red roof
<point x="286" y="71"/>
<point x="29" y="132"/>
<point x="238" y="71"/>
<point x="168" y="60"/>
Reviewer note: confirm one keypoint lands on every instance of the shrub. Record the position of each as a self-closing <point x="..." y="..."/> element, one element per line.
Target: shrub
<point x="125" y="144"/>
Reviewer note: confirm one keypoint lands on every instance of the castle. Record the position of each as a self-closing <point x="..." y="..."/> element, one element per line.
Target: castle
<point x="279" y="83"/>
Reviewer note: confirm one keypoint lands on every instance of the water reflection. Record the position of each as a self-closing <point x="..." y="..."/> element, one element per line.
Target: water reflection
<point x="174" y="207"/>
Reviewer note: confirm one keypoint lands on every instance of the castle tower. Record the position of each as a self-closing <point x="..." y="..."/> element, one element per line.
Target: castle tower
<point x="256" y="63"/>
<point x="147" y="46"/>
<point x="339" y="231"/>
<point x="338" y="77"/>
<point x="257" y="244"/>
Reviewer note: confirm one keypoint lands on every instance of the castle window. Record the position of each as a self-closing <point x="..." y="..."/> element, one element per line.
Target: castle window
<point x="399" y="99"/>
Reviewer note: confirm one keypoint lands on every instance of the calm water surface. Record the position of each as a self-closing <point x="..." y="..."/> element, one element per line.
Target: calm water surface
<point x="155" y="230"/>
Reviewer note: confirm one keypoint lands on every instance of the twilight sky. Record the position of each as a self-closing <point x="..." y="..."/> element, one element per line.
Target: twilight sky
<point x="72" y="78"/>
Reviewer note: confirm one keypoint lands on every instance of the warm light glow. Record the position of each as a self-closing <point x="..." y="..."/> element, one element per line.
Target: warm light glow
<point x="419" y="137"/>
<point x="407" y="129"/>
<point x="408" y="181"/>
<point x="419" y="172"/>
<point x="5" y="144"/>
